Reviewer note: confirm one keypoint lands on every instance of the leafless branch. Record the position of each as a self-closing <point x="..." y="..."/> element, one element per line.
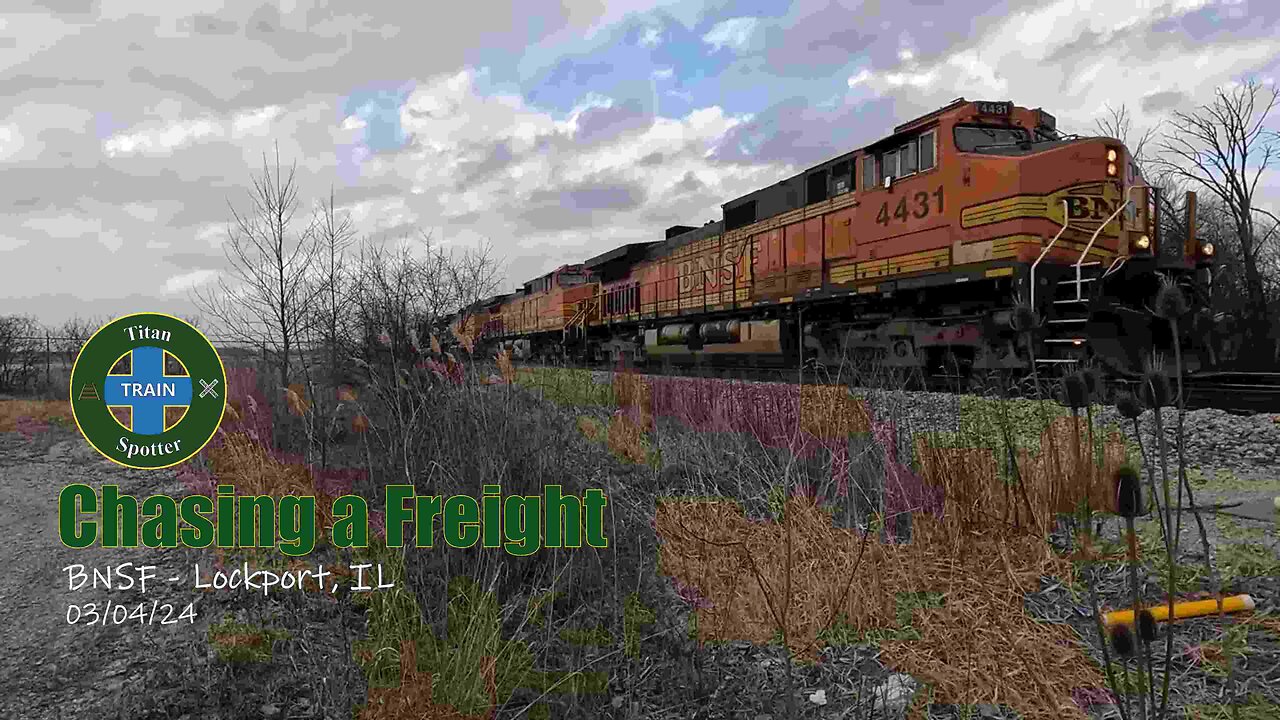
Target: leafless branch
<point x="267" y="295"/>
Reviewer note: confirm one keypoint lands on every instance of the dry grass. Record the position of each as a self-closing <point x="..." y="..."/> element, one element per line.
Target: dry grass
<point x="14" y="412"/>
<point x="980" y="647"/>
<point x="1058" y="479"/>
<point x="414" y="697"/>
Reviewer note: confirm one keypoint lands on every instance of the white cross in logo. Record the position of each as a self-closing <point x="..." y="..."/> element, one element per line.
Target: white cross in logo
<point x="208" y="388"/>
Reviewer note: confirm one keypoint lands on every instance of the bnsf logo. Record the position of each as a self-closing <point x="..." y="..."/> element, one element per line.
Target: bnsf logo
<point x="1089" y="208"/>
<point x="695" y="271"/>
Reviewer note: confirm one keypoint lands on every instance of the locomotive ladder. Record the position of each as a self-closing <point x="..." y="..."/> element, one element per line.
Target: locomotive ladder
<point x="1071" y="313"/>
<point x="576" y="326"/>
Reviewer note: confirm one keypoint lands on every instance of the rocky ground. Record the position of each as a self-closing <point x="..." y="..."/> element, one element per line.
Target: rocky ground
<point x="120" y="666"/>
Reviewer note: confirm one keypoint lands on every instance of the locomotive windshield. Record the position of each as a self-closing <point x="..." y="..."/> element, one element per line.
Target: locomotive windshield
<point x="977" y="138"/>
<point x="569" y="279"/>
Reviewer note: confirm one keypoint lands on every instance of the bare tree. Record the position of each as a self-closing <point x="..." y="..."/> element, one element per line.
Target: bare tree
<point x="474" y="274"/>
<point x="269" y="293"/>
<point x="21" y="342"/>
<point x="333" y="301"/>
<point x="74" y="333"/>
<point x="1118" y="124"/>
<point x="409" y="291"/>
<point x="394" y="284"/>
<point x="1225" y="147"/>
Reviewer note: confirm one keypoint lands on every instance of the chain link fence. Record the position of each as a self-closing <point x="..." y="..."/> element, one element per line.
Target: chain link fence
<point x="41" y="364"/>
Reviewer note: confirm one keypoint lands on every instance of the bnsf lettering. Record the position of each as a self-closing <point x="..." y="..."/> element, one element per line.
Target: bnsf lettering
<point x="1089" y="208"/>
<point x="694" y="274"/>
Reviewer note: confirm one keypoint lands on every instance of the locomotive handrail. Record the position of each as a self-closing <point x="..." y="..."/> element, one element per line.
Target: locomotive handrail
<point x="1116" y="265"/>
<point x="1066" y="222"/>
<point x="1084" y="253"/>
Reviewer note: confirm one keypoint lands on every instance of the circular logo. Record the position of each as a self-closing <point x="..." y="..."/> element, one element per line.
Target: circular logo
<point x="148" y="391"/>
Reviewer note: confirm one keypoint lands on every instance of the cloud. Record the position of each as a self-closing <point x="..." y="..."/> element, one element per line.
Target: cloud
<point x="188" y="281"/>
<point x="735" y="33"/>
<point x="75" y="227"/>
<point x="10" y="141"/>
<point x="567" y="129"/>
<point x="1073" y="58"/>
<point x="164" y="139"/>
<point x="651" y="37"/>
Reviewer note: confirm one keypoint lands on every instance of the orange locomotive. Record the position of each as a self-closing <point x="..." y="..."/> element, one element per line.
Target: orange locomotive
<point x="913" y="250"/>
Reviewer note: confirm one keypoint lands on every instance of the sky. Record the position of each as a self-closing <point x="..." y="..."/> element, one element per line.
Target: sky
<point x="553" y="131"/>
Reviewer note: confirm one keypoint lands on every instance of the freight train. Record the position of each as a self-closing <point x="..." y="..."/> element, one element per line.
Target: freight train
<point x="927" y="249"/>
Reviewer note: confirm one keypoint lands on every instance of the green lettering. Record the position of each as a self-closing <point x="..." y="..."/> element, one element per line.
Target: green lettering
<point x="461" y="510"/>
<point x="76" y="533"/>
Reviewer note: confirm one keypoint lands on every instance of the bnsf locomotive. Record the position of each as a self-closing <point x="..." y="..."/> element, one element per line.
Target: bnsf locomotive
<point x="914" y="251"/>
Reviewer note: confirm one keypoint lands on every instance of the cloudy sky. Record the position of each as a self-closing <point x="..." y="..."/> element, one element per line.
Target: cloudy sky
<point x="556" y="130"/>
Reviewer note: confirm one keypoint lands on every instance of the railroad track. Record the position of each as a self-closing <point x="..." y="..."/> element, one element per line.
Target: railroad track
<point x="1237" y="392"/>
<point x="1242" y="393"/>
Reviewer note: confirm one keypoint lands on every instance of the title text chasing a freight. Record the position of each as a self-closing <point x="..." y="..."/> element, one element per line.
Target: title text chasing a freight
<point x="520" y="524"/>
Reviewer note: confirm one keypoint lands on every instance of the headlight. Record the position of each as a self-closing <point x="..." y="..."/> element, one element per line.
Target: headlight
<point x="1111" y="169"/>
<point x="1142" y="243"/>
<point x="1207" y="249"/>
<point x="1111" y="156"/>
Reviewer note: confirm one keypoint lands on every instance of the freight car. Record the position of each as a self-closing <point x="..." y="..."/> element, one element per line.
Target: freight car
<point x="913" y="251"/>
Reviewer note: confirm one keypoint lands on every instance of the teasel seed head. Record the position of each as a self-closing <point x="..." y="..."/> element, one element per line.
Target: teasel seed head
<point x="1155" y="390"/>
<point x="1170" y="303"/>
<point x="1095" y="382"/>
<point x="1075" y="390"/>
<point x="1128" y="492"/>
<point x="1146" y="626"/>
<point x="1121" y="639"/>
<point x="1025" y="318"/>
<point x="1128" y="405"/>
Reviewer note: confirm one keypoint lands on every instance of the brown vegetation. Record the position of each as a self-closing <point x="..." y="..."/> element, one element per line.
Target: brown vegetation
<point x="979" y="647"/>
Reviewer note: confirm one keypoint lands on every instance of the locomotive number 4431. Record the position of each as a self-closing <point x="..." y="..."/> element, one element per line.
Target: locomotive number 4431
<point x="922" y="204"/>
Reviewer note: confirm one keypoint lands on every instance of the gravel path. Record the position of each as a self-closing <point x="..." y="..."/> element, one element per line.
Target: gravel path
<point x="53" y="669"/>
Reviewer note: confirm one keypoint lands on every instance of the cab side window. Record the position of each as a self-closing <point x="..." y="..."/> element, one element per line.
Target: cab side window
<point x="928" y="149"/>
<point x="918" y="154"/>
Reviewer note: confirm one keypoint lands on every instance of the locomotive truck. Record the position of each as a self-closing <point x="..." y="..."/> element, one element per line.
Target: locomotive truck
<point x="921" y="250"/>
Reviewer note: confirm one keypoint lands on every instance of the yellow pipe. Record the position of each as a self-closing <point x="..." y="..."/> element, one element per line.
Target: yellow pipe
<point x="1195" y="608"/>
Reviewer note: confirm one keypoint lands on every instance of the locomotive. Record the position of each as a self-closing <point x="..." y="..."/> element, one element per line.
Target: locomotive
<point x="924" y="250"/>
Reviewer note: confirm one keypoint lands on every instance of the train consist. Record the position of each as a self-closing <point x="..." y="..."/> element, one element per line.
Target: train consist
<point x="915" y="251"/>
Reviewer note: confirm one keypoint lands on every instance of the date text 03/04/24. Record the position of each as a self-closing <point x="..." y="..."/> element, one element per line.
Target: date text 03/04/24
<point x="143" y="613"/>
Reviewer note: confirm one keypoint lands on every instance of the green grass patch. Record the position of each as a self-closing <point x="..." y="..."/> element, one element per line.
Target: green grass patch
<point x="634" y="615"/>
<point x="907" y="603"/>
<point x="1256" y="707"/>
<point x="1233" y="529"/>
<point x="474" y="631"/>
<point x="569" y="387"/>
<point x="1225" y="481"/>
<point x="996" y="423"/>
<point x="596" y="637"/>
<point x="243" y="643"/>
<point x="1131" y="681"/>
<point x="537" y="605"/>
<point x="1241" y="560"/>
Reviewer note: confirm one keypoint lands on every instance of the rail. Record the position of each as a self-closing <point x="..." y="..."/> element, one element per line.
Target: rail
<point x="1066" y="222"/>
